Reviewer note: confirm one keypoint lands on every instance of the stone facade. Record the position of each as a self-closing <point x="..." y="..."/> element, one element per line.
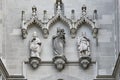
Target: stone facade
<point x="15" y="52"/>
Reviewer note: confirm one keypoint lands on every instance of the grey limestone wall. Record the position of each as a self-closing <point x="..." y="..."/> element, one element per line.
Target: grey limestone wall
<point x="1" y="25"/>
<point x="16" y="50"/>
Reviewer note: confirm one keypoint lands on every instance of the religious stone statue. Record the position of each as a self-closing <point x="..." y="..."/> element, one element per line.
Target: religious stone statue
<point x="35" y="50"/>
<point x="83" y="46"/>
<point x="35" y="46"/>
<point x="58" y="43"/>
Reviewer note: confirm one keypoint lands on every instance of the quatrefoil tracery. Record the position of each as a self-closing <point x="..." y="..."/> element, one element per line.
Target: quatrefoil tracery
<point x="59" y="15"/>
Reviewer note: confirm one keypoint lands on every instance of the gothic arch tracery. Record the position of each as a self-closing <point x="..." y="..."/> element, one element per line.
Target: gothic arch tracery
<point x="59" y="15"/>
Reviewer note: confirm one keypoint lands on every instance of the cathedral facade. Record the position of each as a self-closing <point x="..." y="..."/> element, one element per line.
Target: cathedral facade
<point x="59" y="40"/>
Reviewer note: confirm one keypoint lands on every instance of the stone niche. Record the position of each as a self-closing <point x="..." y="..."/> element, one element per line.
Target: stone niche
<point x="77" y="18"/>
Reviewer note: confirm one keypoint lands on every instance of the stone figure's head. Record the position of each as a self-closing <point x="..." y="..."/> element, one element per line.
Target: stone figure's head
<point x="59" y="64"/>
<point x="61" y="33"/>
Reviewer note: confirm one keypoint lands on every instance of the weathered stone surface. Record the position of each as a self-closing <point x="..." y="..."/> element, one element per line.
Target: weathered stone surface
<point x="16" y="50"/>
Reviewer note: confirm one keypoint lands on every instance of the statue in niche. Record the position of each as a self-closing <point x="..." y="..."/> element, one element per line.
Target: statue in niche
<point x="58" y="43"/>
<point x="83" y="46"/>
<point x="35" y="50"/>
<point x="35" y="46"/>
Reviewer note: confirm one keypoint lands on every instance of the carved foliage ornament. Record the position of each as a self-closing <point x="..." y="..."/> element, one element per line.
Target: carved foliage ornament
<point x="59" y="15"/>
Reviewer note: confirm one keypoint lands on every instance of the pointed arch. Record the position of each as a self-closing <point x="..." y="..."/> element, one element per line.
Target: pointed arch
<point x="33" y="20"/>
<point x="60" y="17"/>
<point x="85" y="20"/>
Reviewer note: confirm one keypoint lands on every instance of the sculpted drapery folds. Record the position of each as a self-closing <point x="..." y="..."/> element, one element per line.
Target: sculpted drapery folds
<point x="83" y="46"/>
<point x="58" y="43"/>
<point x="35" y="50"/>
<point x="35" y="46"/>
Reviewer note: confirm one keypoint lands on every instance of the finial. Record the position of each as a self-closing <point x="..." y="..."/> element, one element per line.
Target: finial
<point x="34" y="34"/>
<point x="72" y="14"/>
<point x="34" y="9"/>
<point x="84" y="8"/>
<point x="95" y="16"/>
<point x="22" y="17"/>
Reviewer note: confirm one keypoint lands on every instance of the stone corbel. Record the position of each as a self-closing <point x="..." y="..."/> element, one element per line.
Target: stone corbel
<point x="73" y="32"/>
<point x="59" y="62"/>
<point x="45" y="32"/>
<point x="85" y="62"/>
<point x="34" y="62"/>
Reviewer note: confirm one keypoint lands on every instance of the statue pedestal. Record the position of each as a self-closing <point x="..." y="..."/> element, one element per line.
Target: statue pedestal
<point x="34" y="62"/>
<point x="59" y="62"/>
<point x="85" y="62"/>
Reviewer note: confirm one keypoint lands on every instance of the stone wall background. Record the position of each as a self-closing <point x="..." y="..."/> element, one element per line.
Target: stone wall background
<point x="15" y="50"/>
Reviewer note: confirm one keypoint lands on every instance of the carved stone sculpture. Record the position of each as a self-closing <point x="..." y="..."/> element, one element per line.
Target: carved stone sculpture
<point x="58" y="43"/>
<point x="35" y="50"/>
<point x="73" y="24"/>
<point x="85" y="62"/>
<point x="83" y="46"/>
<point x="24" y="33"/>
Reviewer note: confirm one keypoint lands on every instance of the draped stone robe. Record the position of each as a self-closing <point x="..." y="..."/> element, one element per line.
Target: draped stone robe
<point x="58" y="43"/>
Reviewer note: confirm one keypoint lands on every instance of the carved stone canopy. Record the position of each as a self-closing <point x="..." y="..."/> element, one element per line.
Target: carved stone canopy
<point x="59" y="15"/>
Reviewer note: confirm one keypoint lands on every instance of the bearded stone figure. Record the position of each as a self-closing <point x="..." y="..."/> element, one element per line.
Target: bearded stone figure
<point x="83" y="47"/>
<point x="35" y="50"/>
<point x="58" y="43"/>
<point x="35" y="46"/>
